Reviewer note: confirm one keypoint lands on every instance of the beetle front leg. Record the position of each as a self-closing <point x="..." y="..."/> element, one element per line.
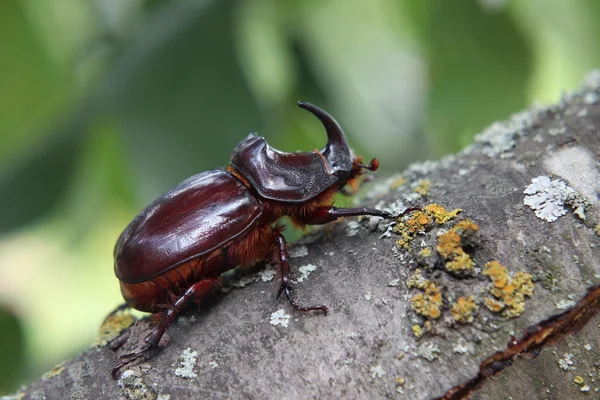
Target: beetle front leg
<point x="196" y="292"/>
<point x="324" y="215"/>
<point x="284" y="266"/>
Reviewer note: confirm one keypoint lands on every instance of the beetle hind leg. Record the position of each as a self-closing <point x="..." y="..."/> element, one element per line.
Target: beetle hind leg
<point x="196" y="292"/>
<point x="284" y="266"/>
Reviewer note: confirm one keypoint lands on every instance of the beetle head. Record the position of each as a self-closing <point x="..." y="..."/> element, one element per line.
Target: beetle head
<point x="301" y="176"/>
<point x="337" y="152"/>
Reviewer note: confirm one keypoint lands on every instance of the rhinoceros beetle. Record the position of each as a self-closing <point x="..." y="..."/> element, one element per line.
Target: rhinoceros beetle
<point x="176" y="249"/>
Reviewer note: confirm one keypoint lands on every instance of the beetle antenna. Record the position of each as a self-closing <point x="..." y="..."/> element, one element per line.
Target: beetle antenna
<point x="373" y="165"/>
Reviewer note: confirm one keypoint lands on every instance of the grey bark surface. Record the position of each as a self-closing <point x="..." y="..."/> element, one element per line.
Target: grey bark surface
<point x="364" y="348"/>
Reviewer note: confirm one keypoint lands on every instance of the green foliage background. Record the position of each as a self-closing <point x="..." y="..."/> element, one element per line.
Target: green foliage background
<point x="106" y="104"/>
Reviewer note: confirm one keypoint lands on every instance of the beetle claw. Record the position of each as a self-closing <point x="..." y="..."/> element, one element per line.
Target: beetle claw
<point x="281" y="288"/>
<point x="288" y="290"/>
<point x="130" y="358"/>
<point x="407" y="211"/>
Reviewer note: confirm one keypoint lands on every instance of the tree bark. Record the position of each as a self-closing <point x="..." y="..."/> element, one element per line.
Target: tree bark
<point x="366" y="346"/>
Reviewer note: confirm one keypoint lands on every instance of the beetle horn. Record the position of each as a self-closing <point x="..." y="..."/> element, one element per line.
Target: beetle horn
<point x="337" y="150"/>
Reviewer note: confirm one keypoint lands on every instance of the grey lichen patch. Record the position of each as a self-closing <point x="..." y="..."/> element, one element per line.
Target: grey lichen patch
<point x="592" y="80"/>
<point x="280" y="318"/>
<point x="377" y="371"/>
<point x="245" y="281"/>
<point x="267" y="274"/>
<point x="299" y="251"/>
<point x="188" y="362"/>
<point x="305" y="271"/>
<point x="564" y="304"/>
<point x="460" y="348"/>
<point x="38" y="395"/>
<point x="548" y="198"/>
<point x="591" y="98"/>
<point x="428" y="351"/>
<point x="566" y="363"/>
<point x="237" y="279"/>
<point x="578" y="167"/>
<point x="422" y="168"/>
<point x="501" y="137"/>
<point x="353" y="227"/>
<point x="394" y="283"/>
<point x="133" y="387"/>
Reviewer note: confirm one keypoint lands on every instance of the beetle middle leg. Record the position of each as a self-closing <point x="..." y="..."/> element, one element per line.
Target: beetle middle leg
<point x="196" y="292"/>
<point x="284" y="266"/>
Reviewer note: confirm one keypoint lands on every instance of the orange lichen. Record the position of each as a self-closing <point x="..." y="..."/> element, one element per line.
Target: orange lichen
<point x="493" y="305"/>
<point x="462" y="263"/>
<point x="113" y="325"/>
<point x="439" y="213"/>
<point x="416" y="280"/>
<point x="509" y="292"/>
<point x="398" y="182"/>
<point x="425" y="252"/>
<point x="417" y="331"/>
<point x="465" y="227"/>
<point x="449" y="247"/>
<point x="55" y="371"/>
<point x="427" y="304"/>
<point x="464" y="309"/>
<point x="421" y="221"/>
<point x="423" y="187"/>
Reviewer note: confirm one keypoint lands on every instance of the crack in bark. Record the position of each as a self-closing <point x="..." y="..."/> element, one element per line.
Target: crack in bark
<point x="552" y="330"/>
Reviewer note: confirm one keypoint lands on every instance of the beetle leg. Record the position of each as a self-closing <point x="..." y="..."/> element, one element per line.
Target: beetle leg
<point x="285" y="276"/>
<point x="196" y="292"/>
<point x="324" y="215"/>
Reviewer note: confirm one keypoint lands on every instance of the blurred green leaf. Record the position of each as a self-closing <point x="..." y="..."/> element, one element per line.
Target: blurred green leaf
<point x="179" y="95"/>
<point x="35" y="160"/>
<point x="565" y="37"/>
<point x="101" y="179"/>
<point x="291" y="128"/>
<point x="12" y="348"/>
<point x="479" y="64"/>
<point x="32" y="185"/>
<point x="33" y="88"/>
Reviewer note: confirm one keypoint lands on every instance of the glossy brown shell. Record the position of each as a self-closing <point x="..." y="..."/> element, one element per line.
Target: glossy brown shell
<point x="198" y="216"/>
<point x="280" y="176"/>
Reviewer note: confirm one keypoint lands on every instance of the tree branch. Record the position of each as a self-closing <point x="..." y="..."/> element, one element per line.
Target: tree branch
<point x="381" y="296"/>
